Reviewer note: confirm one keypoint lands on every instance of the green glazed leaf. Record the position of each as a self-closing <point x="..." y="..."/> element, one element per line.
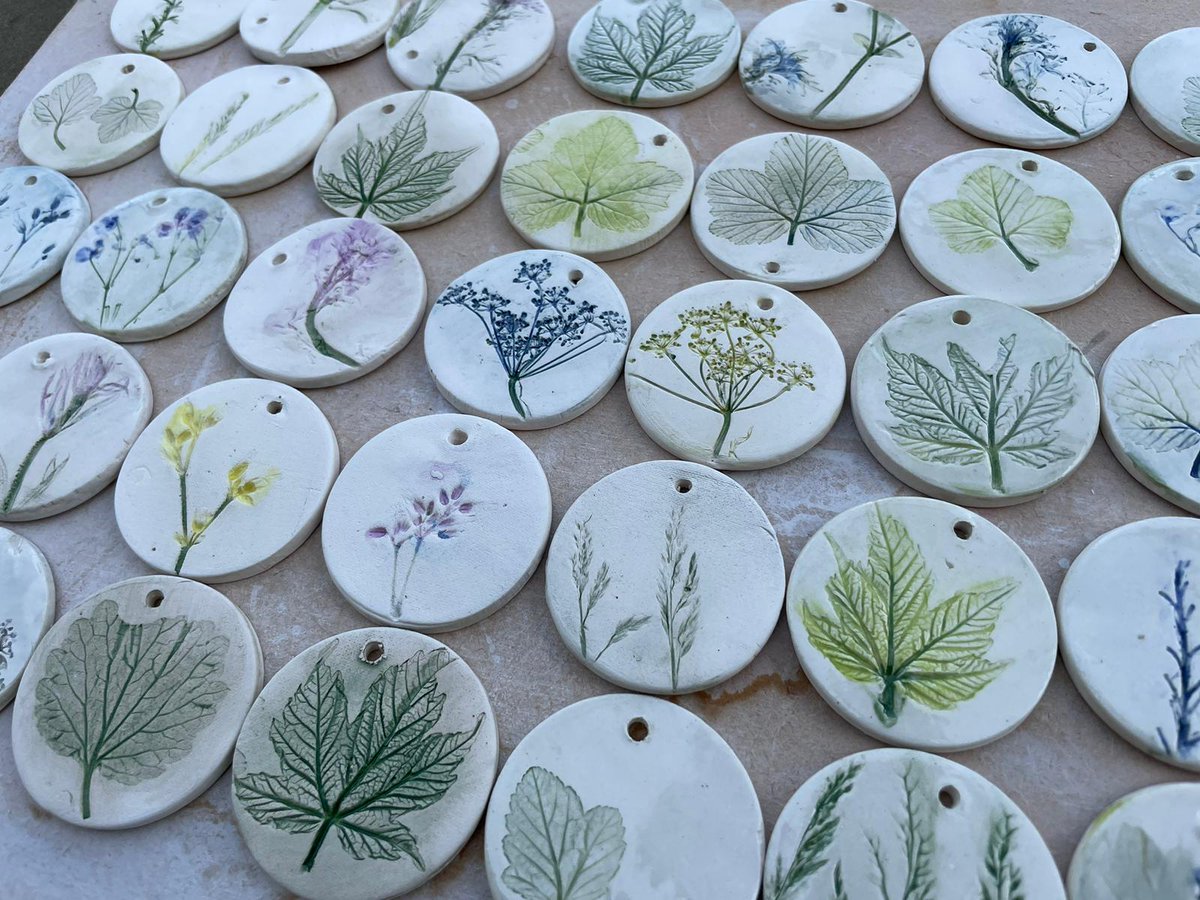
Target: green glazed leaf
<point x="1191" y="103"/>
<point x="1157" y="404"/>
<point x="1129" y="864"/>
<point x="67" y="102"/>
<point x="125" y="115"/>
<point x="1001" y="878"/>
<point x="809" y="858"/>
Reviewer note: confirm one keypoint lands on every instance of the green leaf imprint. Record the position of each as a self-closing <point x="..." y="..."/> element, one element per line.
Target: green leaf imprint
<point x="1191" y="103"/>
<point x="593" y="174"/>
<point x="919" y="848"/>
<point x="67" y="102"/>
<point x="661" y="53"/>
<point x="1157" y="404"/>
<point x="126" y="700"/>
<point x="1001" y="878"/>
<point x="359" y="777"/>
<point x="1129" y="865"/>
<point x="153" y="32"/>
<point x="995" y="207"/>
<point x="125" y="115"/>
<point x="804" y="189"/>
<point x="976" y="414"/>
<point x="884" y="630"/>
<point x="555" y="849"/>
<point x="809" y="858"/>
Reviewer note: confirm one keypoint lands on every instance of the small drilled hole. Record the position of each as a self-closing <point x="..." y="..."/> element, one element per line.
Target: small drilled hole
<point x="839" y="7"/>
<point x="126" y="70"/>
<point x="1089" y="46"/>
<point x="261" y="21"/>
<point x="1185" y="174"/>
<point x="963" y="530"/>
<point x="389" y="109"/>
<point x="154" y="599"/>
<point x="773" y="269"/>
<point x="948" y="797"/>
<point x="660" y="140"/>
<point x="279" y="260"/>
<point x="412" y="54"/>
<point x="158" y="201"/>
<point x="1029" y="165"/>
<point x="638" y="730"/>
<point x="574" y="276"/>
<point x="31" y="181"/>
<point x="43" y="357"/>
<point x="683" y="485"/>
<point x="767" y="302"/>
<point x="372" y="652"/>
<point x="286" y="79"/>
<point x="274" y="407"/>
<point x="961" y="317"/>
<point x="458" y="437"/>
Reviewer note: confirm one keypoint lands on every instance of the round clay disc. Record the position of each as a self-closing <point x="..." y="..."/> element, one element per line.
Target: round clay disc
<point x="169" y="29"/>
<point x="74" y="403"/>
<point x="736" y="375"/>
<point x="227" y="481"/>
<point x="432" y="502"/>
<point x="599" y="776"/>
<point x="922" y="624"/>
<point x="27" y="585"/>
<point x="832" y="65"/>
<point x="530" y="339"/>
<point x="365" y="765"/>
<point x="797" y="210"/>
<point x="132" y="702"/>
<point x="1159" y="227"/>
<point x="1009" y="225"/>
<point x="327" y="304"/>
<point x="1164" y="85"/>
<point x="1027" y="81"/>
<point x="154" y="265"/>
<point x="598" y="183"/>
<point x="676" y="599"/>
<point x="473" y="48"/>
<point x="319" y="33"/>
<point x="926" y="385"/>
<point x="919" y="823"/>
<point x="46" y="212"/>
<point x="248" y="129"/>
<point x="100" y="114"/>
<point x="660" y="53"/>
<point x="1150" y="394"/>
<point x="1125" y="616"/>
<point x="426" y="155"/>
<point x="1144" y="845"/>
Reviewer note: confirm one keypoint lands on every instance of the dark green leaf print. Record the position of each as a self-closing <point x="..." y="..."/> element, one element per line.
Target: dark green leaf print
<point x="810" y="856"/>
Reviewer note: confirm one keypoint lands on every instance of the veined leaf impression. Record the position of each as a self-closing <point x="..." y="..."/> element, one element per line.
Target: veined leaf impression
<point x="1191" y="103"/>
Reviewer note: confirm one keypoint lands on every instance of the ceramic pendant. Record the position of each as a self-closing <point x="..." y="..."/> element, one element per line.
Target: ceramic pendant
<point x="1144" y="845"/>
<point x="1009" y="225"/>
<point x="248" y="129"/>
<point x="436" y="501"/>
<point x="315" y="32"/>
<point x="601" y="184"/>
<point x="27" y="586"/>
<point x="1027" y="81"/>
<point x="45" y="214"/>
<point x="660" y="53"/>
<point x="74" y="403"/>
<point x="832" y="65"/>
<point x="100" y="115"/>
<point x="365" y="765"/>
<point x="473" y="48"/>
<point x="964" y="641"/>
<point x="407" y="160"/>
<point x="169" y="29"/>
<point x="675" y="599"/>
<point x="183" y="664"/>
<point x="154" y="265"/>
<point x="1164" y="85"/>
<point x="736" y="375"/>
<point x="651" y="801"/>
<point x="226" y="481"/>
<point x="797" y="210"/>
<point x="975" y="401"/>
<point x="1160" y="223"/>
<point x="327" y="304"/>
<point x="1150" y="392"/>
<point x="496" y="329"/>
<point x="921" y="824"/>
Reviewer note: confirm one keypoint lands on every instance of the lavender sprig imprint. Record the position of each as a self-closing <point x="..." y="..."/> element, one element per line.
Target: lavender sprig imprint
<point x="1185" y="690"/>
<point x="28" y="226"/>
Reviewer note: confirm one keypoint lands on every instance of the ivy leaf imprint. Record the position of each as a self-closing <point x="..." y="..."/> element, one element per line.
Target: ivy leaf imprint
<point x="125" y="115"/>
<point x="68" y="102"/>
<point x="1157" y="404"/>
<point x="1191" y="103"/>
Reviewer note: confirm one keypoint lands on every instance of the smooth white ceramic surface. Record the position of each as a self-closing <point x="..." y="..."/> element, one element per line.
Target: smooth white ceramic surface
<point x="132" y="702"/>
<point x="27" y="586"/>
<point x="797" y="210"/>
<point x="832" y="65"/>
<point x="1164" y="86"/>
<point x="530" y="339"/>
<point x="1027" y="80"/>
<point x="436" y="522"/>
<point x="74" y="403"/>
<point x="326" y="304"/>
<point x="169" y="29"/>
<point x="365" y="765"/>
<point x="315" y="32"/>
<point x="248" y="129"/>
<point x="41" y="214"/>
<point x="735" y="374"/>
<point x="655" y="801"/>
<point x="227" y="480"/>
<point x="1009" y="225"/>
<point x="100" y="114"/>
<point x="1160" y="224"/>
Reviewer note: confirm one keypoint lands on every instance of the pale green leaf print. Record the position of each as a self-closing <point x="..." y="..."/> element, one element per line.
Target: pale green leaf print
<point x="882" y="628"/>
<point x="1001" y="878"/>
<point x="555" y="849"/>
<point x="126" y="115"/>
<point x="1191" y="103"/>
<point x="995" y="207"/>
<point x="917" y="848"/>
<point x="67" y="102"/>
<point x="126" y="700"/>
<point x="359" y="777"/>
<point x="412" y="18"/>
<point x="214" y="137"/>
<point x="1129" y="865"/>
<point x="1157" y="405"/>
<point x="593" y="175"/>
<point x="663" y="53"/>
<point x="804" y="190"/>
<point x="974" y="414"/>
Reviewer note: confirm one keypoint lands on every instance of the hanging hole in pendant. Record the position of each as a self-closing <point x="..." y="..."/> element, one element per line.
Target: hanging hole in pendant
<point x="127" y="70"/>
<point x="839" y="7"/>
<point x="43" y="357"/>
<point x="279" y="260"/>
<point x="154" y="599"/>
<point x="766" y="303"/>
<point x="458" y="437"/>
<point x="574" y="276"/>
<point x="372" y="653"/>
<point x="412" y="54"/>
<point x="274" y="407"/>
<point x="1029" y="165"/>
<point x="660" y="140"/>
<point x="158" y="201"/>
<point x="683" y="485"/>
<point x="1184" y="174"/>
<point x="948" y="797"/>
<point x="389" y="109"/>
<point x="1089" y="46"/>
<point x="286" y="79"/>
<point x="961" y="317"/>
<point x="262" y="20"/>
<point x="963" y="530"/>
<point x="772" y="269"/>
<point x="31" y="181"/>
<point x="637" y="730"/>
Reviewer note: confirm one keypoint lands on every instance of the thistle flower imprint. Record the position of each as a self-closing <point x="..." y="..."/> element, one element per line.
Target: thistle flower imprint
<point x="28" y="222"/>
<point x="776" y="65"/>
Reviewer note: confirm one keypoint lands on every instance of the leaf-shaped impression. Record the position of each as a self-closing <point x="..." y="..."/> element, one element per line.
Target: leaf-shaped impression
<point x="1129" y="864"/>
<point x="1191" y="103"/>
<point x="126" y="115"/>
<point x="69" y="101"/>
<point x="557" y="850"/>
<point x="1157" y="405"/>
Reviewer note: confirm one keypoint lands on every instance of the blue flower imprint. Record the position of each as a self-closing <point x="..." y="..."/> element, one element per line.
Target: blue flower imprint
<point x="775" y="64"/>
<point x="28" y="221"/>
<point x="1182" y="742"/>
<point x="1184" y="224"/>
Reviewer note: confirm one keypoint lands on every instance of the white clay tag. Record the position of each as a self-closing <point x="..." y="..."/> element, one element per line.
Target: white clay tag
<point x="1158" y="224"/>
<point x="315" y="32"/>
<point x="169" y="29"/>
<point x="1164" y="86"/>
<point x="45" y="213"/>
<point x="27" y="586"/>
